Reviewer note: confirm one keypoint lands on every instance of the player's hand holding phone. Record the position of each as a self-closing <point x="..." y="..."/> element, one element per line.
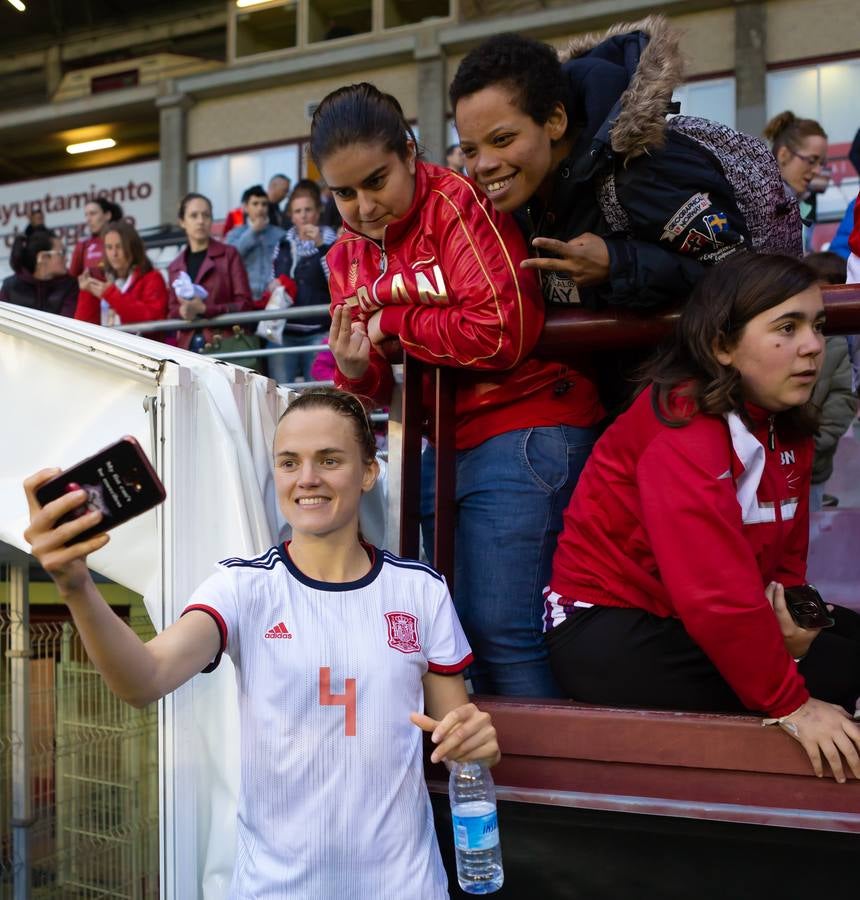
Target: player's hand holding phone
<point x="71" y="511"/>
<point x="53" y="544"/>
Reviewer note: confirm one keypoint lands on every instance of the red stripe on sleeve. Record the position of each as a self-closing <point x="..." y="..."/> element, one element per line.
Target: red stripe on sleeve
<point x="455" y="669"/>
<point x="222" y="628"/>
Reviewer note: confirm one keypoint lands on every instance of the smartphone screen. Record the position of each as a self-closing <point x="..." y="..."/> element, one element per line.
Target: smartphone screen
<point x="119" y="482"/>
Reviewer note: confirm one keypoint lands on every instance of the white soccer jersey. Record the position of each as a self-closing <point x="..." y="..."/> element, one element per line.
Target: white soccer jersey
<point x="332" y="803"/>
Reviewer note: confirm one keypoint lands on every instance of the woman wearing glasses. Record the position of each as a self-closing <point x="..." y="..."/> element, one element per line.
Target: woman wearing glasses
<point x="41" y="280"/>
<point x="800" y="148"/>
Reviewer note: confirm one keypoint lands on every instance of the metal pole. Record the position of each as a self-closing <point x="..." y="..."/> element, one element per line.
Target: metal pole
<point x="19" y="666"/>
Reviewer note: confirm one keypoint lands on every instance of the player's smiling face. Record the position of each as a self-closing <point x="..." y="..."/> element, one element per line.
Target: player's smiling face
<point x="320" y="474"/>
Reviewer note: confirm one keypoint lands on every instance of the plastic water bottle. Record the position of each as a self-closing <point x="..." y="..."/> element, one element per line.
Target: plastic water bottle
<point x="476" y="828"/>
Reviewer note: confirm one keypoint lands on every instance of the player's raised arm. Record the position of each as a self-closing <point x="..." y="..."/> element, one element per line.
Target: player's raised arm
<point x="460" y="730"/>
<point x="135" y="671"/>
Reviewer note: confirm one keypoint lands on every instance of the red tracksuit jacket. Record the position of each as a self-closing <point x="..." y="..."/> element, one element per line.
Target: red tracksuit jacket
<point x="694" y="522"/>
<point x="447" y="276"/>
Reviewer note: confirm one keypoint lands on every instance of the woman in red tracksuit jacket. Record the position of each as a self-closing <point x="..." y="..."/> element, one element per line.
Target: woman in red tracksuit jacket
<point x="692" y="516"/>
<point x="426" y="261"/>
<point x="135" y="291"/>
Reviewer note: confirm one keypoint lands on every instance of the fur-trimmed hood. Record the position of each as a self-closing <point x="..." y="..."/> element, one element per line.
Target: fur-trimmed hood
<point x="622" y="83"/>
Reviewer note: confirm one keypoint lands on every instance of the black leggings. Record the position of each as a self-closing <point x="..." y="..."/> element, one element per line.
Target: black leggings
<point x="628" y="657"/>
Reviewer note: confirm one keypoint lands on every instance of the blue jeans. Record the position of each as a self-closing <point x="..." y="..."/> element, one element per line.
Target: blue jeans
<point x="511" y="494"/>
<point x="288" y="366"/>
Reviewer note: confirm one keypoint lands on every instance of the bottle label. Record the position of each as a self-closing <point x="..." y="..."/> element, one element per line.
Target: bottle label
<point x="476" y="832"/>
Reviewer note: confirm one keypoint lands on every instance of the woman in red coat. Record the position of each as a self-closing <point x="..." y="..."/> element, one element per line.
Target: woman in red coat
<point x="215" y="267"/>
<point x="134" y="292"/>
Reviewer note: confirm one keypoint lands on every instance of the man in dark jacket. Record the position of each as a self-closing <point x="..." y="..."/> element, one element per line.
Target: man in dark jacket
<point x="547" y="140"/>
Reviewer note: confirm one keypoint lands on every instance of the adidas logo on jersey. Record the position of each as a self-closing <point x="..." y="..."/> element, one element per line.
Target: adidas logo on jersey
<point x="279" y="631"/>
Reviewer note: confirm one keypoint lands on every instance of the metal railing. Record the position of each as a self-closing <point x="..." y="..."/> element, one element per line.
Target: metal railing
<point x="566" y="333"/>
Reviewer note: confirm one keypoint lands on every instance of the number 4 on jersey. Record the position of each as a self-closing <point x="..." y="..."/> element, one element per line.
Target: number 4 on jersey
<point x="346" y="699"/>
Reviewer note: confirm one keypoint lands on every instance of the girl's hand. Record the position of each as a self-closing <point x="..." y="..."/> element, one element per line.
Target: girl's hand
<point x="349" y="343"/>
<point x="84" y="281"/>
<point x="96" y="288"/>
<point x="797" y="640"/>
<point x="387" y="345"/>
<point x="465" y="734"/>
<point x="824" y="728"/>
<point x="585" y="258"/>
<point x="66" y="565"/>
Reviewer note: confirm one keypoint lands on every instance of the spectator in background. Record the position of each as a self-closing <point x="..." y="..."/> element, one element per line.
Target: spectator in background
<point x="36" y="220"/>
<point x="300" y="256"/>
<point x="279" y="188"/>
<point x="256" y="240"/>
<point x="833" y="395"/>
<point x="134" y="291"/>
<point x="800" y="148"/>
<point x="213" y="269"/>
<point x="41" y="280"/>
<point x="455" y="160"/>
<point x="88" y="253"/>
<point x="329" y="214"/>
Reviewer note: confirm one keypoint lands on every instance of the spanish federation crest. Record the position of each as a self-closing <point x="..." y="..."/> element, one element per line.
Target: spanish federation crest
<point x="403" y="632"/>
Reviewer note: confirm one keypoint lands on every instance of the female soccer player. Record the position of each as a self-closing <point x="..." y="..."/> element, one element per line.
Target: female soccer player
<point x="692" y="517"/>
<point x="425" y="260"/>
<point x="336" y="644"/>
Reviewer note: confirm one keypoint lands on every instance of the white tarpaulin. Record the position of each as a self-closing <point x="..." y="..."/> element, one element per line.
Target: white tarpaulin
<point x="68" y="389"/>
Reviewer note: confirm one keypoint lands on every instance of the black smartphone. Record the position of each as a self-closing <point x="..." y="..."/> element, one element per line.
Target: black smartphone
<point x="807" y="608"/>
<point x="119" y="480"/>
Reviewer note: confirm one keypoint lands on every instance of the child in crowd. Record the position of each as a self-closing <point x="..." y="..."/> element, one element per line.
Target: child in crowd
<point x="427" y="264"/>
<point x="332" y="801"/>
<point x="692" y="517"/>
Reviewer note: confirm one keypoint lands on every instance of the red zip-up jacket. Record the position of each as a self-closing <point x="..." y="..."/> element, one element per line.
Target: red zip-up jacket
<point x="448" y="279"/>
<point x="144" y="300"/>
<point x="694" y="522"/>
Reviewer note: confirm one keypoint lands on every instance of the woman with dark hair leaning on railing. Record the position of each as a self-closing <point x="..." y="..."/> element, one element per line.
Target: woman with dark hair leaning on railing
<point x="691" y="519"/>
<point x="425" y="263"/>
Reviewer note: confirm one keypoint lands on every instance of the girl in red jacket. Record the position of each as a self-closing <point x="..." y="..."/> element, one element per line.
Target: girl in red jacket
<point x="134" y="292"/>
<point x="427" y="263"/>
<point x="692" y="516"/>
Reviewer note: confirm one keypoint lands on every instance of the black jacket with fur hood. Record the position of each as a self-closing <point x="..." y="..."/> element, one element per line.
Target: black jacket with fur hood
<point x="671" y="188"/>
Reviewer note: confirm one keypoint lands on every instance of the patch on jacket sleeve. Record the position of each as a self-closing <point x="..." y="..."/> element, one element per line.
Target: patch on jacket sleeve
<point x="683" y="217"/>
